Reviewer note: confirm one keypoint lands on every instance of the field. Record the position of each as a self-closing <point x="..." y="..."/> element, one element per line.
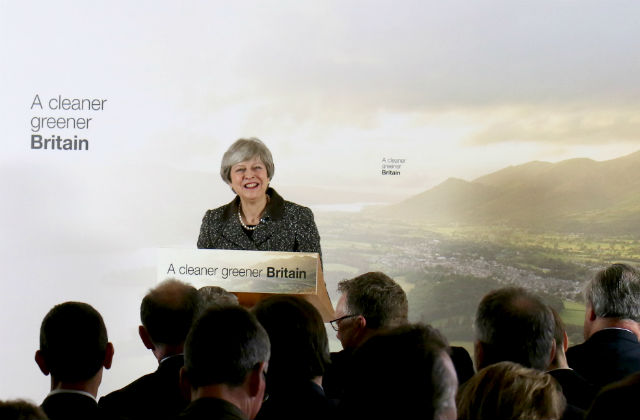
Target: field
<point x="446" y="270"/>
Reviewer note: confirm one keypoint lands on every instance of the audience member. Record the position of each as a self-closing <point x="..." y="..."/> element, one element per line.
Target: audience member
<point x="512" y="324"/>
<point x="509" y="391"/>
<point x="166" y="313"/>
<point x="369" y="304"/>
<point x="617" y="400"/>
<point x="405" y="373"/>
<point x="611" y="327"/>
<point x="74" y="349"/>
<point x="216" y="296"/>
<point x="20" y="410"/>
<point x="226" y="359"/>
<point x="299" y="357"/>
<point x="575" y="388"/>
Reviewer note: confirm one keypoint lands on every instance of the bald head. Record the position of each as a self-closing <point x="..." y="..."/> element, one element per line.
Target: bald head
<point x="168" y="311"/>
<point x="513" y="324"/>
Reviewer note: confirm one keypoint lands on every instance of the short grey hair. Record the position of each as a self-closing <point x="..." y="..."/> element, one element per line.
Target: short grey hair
<point x="216" y="296"/>
<point x="223" y="346"/>
<point x="242" y="150"/>
<point x="379" y="299"/>
<point x="615" y="293"/>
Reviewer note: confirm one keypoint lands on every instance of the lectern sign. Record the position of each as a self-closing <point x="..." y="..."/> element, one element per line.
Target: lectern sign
<point x="252" y="275"/>
<point x="241" y="271"/>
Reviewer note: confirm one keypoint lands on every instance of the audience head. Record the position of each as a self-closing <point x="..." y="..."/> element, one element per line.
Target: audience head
<point x="405" y="373"/>
<point x="370" y="302"/>
<point x="20" y="410"/>
<point x="167" y="312"/>
<point x="211" y="296"/>
<point x="73" y="343"/>
<point x="299" y="344"/>
<point x="228" y="347"/>
<point x="512" y="324"/>
<point x="615" y="293"/>
<point x="507" y="390"/>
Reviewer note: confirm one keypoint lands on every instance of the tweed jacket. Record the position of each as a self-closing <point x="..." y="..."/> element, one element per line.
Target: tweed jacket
<point x="285" y="226"/>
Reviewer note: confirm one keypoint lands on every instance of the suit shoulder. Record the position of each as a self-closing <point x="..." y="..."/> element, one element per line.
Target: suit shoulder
<point x="215" y="213"/>
<point x="127" y="392"/>
<point x="297" y="210"/>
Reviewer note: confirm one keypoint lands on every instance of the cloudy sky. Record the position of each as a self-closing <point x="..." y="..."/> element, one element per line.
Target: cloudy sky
<point x="457" y="88"/>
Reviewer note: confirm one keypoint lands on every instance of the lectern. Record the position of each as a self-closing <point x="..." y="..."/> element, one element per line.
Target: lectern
<point x="250" y="275"/>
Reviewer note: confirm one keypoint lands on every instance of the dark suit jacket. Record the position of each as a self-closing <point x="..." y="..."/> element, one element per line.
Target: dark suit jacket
<point x="337" y="373"/>
<point x="284" y="226"/>
<point x="154" y="395"/>
<point x="462" y="363"/>
<point x="71" y="406"/>
<point x="607" y="356"/>
<point x="211" y="409"/>
<point x="617" y="401"/>
<point x="575" y="388"/>
<point x="295" y="401"/>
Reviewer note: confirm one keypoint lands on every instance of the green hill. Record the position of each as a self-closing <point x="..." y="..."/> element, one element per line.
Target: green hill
<point x="577" y="195"/>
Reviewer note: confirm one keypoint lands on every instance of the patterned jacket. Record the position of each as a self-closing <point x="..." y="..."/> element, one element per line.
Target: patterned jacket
<point x="284" y="226"/>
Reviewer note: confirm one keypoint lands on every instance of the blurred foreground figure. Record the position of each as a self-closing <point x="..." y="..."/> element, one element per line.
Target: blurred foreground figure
<point x="617" y="400"/>
<point x="405" y="373"/>
<point x="74" y="349"/>
<point x="509" y="391"/>
<point x="20" y="410"/>
<point x="225" y="365"/>
<point x="611" y="327"/>
<point x="166" y="313"/>
<point x="299" y="357"/>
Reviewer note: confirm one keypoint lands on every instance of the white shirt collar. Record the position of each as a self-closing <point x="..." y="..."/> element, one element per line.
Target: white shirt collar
<point x="72" y="391"/>
<point x="169" y="357"/>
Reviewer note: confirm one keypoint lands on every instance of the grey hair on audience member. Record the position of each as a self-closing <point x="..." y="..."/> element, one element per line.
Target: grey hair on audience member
<point x="615" y="292"/>
<point x="378" y="298"/>
<point x="223" y="346"/>
<point x="215" y="296"/>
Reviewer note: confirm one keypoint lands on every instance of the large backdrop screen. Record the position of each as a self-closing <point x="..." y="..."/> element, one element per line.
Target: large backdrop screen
<point x="456" y="146"/>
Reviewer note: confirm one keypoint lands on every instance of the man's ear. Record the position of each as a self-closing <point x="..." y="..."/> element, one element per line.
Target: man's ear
<point x="361" y="321"/>
<point x="108" y="356"/>
<point x="591" y="313"/>
<point x="552" y="356"/>
<point x="478" y="354"/>
<point x="41" y="363"/>
<point x="185" y="385"/>
<point x="565" y="341"/>
<point x="145" y="337"/>
<point x="256" y="376"/>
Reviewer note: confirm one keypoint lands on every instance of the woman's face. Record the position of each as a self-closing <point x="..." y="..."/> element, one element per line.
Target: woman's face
<point x="249" y="179"/>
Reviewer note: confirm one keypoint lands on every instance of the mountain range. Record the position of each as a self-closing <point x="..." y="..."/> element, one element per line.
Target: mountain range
<point x="575" y="195"/>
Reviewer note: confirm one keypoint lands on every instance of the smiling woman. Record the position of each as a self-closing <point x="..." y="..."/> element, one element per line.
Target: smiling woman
<point x="258" y="218"/>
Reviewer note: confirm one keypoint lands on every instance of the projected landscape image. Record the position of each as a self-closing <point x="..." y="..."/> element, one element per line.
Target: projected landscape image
<point x="546" y="227"/>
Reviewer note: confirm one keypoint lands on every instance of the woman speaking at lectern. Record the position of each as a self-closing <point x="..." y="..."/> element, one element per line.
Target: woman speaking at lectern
<point x="258" y="218"/>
